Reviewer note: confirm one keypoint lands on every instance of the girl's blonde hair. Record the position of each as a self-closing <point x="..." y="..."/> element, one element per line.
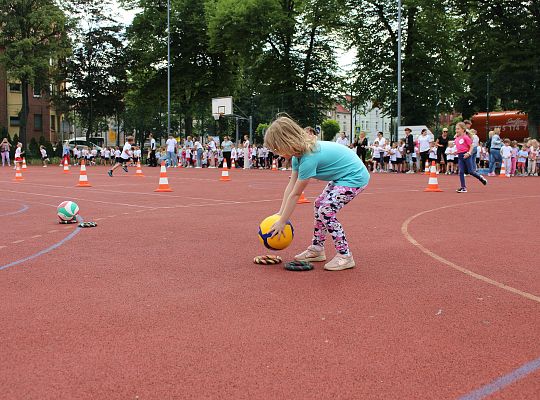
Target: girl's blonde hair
<point x="286" y="137"/>
<point x="462" y="126"/>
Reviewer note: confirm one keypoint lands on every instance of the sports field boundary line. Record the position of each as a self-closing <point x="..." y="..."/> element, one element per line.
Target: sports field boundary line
<point x="503" y="381"/>
<point x="42" y="252"/>
<point x="151" y="208"/>
<point x="19" y="211"/>
<point x="77" y="198"/>
<point x="485" y="279"/>
<point x="96" y="188"/>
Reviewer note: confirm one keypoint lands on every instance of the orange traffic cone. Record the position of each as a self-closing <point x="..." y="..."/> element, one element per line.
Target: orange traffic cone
<point x="225" y="172"/>
<point x="18" y="173"/>
<point x="274" y="165"/>
<point x="163" y="181"/>
<point x="83" y="178"/>
<point x="502" y="174"/>
<point x="302" y="199"/>
<point x="24" y="163"/>
<point x="433" y="183"/>
<point x="426" y="170"/>
<point x="139" y="172"/>
<point x="233" y="165"/>
<point x="66" y="166"/>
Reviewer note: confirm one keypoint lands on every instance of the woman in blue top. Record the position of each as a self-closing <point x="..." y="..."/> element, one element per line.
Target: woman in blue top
<point x="326" y="161"/>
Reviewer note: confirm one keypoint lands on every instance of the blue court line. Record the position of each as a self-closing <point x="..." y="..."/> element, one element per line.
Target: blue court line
<point x="42" y="252"/>
<point x="503" y="381"/>
<point x="23" y="209"/>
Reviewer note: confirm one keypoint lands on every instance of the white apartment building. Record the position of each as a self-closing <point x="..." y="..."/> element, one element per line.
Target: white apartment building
<point x="371" y="120"/>
<point x="367" y="118"/>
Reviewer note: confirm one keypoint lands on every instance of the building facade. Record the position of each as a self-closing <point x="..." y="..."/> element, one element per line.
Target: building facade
<point x="43" y="120"/>
<point x="371" y="119"/>
<point x="368" y="118"/>
<point x="343" y="116"/>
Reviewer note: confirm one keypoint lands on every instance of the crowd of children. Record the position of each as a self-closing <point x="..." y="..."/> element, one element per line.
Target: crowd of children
<point x="104" y="156"/>
<point x="212" y="157"/>
<point x="520" y="159"/>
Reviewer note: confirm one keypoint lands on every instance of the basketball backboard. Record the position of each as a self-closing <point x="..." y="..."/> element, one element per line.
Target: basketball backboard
<point x="222" y="106"/>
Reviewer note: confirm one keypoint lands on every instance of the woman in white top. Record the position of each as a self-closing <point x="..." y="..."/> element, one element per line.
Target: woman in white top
<point x="423" y="145"/>
<point x="246" y="152"/>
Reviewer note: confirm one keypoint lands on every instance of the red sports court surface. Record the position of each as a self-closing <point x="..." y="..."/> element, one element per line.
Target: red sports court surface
<point x="162" y="300"/>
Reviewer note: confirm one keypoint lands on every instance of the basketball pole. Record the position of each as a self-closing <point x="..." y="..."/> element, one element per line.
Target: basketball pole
<point x="168" y="67"/>
<point x="398" y="122"/>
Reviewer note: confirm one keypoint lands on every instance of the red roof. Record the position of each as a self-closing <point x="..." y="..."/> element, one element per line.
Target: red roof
<point x="342" y="110"/>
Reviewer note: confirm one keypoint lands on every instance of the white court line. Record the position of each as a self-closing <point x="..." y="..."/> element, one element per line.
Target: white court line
<point x="222" y="202"/>
<point x="96" y="189"/>
<point x="227" y="203"/>
<point x="34" y="202"/>
<point x="18" y="241"/>
<point x="35" y="236"/>
<point x="53" y="231"/>
<point x="77" y="198"/>
<point x="485" y="279"/>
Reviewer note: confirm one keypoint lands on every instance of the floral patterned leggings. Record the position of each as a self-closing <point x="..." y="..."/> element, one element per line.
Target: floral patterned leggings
<point x="329" y="202"/>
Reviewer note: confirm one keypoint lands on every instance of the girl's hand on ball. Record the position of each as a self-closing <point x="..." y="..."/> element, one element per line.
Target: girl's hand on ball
<point x="278" y="229"/>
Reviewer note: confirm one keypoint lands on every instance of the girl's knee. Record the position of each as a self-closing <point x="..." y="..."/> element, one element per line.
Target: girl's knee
<point x="326" y="212"/>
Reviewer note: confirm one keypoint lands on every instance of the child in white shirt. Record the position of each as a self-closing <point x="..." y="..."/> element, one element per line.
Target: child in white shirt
<point x="375" y="156"/>
<point x="205" y="154"/>
<point x="124" y="156"/>
<point x="393" y="157"/>
<point x="107" y="153"/>
<point x="76" y="155"/>
<point x="451" y="158"/>
<point x="506" y="152"/>
<point x="44" y="157"/>
<point x="188" y="158"/>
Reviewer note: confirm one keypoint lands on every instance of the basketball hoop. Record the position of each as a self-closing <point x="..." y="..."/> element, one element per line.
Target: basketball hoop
<point x="222" y="106"/>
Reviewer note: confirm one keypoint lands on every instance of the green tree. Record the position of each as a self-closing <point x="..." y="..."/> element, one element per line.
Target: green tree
<point x="97" y="69"/>
<point x="32" y="34"/>
<point x="33" y="147"/>
<point x="259" y="133"/>
<point x="431" y="69"/>
<point x="283" y="50"/>
<point x="330" y="128"/>
<point x="502" y="47"/>
<point x="198" y="71"/>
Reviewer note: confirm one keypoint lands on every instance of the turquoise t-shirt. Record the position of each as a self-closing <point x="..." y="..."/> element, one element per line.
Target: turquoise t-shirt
<point x="332" y="162"/>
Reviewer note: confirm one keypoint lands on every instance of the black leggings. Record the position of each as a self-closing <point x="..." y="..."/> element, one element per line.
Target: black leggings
<point x="362" y="155"/>
<point x="227" y="156"/>
<point x="423" y="158"/>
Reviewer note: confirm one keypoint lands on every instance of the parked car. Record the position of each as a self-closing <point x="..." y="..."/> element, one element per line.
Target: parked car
<point x="83" y="143"/>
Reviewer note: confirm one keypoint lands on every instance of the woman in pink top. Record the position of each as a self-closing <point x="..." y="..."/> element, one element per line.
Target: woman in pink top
<point x="464" y="150"/>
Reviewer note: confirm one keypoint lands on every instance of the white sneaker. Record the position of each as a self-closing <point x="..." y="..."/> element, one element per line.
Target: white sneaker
<point x="340" y="262"/>
<point x="311" y="255"/>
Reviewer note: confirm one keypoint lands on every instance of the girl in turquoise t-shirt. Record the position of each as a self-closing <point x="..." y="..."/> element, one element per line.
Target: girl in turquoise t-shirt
<point x="327" y="161"/>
